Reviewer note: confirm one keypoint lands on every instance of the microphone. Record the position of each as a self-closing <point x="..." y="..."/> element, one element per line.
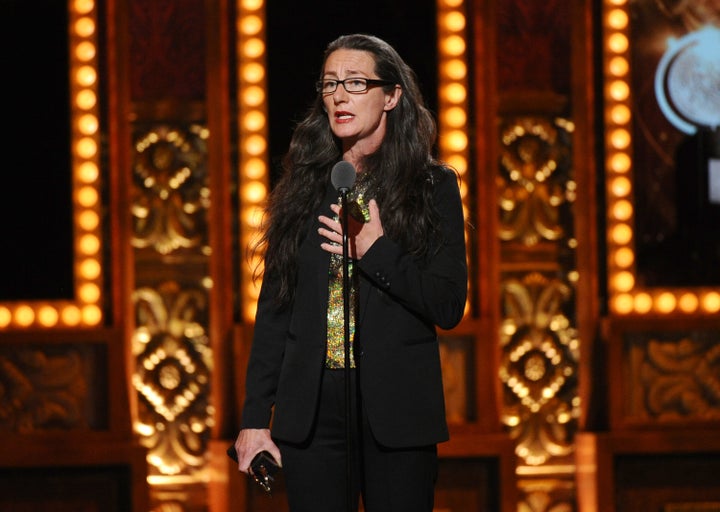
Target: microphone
<point x="343" y="176"/>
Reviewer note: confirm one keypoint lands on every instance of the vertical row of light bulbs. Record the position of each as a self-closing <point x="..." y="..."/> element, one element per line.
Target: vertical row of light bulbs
<point x="453" y="93"/>
<point x="625" y="297"/>
<point x="254" y="177"/>
<point x="85" y="310"/>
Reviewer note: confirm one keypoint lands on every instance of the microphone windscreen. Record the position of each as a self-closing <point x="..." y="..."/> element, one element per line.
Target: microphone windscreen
<point x="343" y="175"/>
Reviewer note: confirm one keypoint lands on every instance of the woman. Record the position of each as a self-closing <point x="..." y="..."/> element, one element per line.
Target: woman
<point x="407" y="272"/>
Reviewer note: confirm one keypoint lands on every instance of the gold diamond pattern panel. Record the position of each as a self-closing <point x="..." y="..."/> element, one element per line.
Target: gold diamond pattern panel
<point x="172" y="377"/>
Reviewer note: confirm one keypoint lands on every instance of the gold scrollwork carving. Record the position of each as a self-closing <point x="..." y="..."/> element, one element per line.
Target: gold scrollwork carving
<point x="171" y="188"/>
<point x="538" y="367"/>
<point x="533" y="183"/>
<point x="676" y="379"/>
<point x="42" y="390"/>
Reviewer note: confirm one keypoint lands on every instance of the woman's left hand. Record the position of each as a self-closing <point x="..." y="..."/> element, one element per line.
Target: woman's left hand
<point x="361" y="235"/>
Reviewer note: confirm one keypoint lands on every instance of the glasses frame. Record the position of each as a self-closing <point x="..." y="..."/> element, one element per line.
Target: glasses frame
<point x="369" y="82"/>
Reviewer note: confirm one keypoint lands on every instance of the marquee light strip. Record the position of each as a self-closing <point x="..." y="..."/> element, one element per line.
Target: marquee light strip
<point x="625" y="297"/>
<point x="85" y="310"/>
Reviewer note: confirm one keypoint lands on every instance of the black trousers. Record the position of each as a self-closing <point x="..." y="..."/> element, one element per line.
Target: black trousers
<point x="388" y="480"/>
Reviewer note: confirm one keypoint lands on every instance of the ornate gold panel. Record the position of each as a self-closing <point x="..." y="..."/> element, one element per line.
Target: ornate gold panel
<point x="170" y="345"/>
<point x="539" y="342"/>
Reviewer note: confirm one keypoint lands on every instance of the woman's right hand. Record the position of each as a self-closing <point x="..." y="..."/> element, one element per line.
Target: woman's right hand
<point x="250" y="442"/>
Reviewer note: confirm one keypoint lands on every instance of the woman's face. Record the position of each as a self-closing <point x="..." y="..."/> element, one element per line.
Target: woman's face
<point x="358" y="118"/>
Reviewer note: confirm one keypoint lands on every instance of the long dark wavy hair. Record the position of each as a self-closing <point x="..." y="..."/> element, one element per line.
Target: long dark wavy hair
<point x="404" y="165"/>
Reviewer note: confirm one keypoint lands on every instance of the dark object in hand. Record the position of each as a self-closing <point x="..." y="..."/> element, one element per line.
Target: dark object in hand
<point x="262" y="468"/>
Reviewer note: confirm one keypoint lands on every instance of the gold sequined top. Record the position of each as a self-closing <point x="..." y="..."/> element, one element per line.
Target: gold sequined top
<point x="357" y="199"/>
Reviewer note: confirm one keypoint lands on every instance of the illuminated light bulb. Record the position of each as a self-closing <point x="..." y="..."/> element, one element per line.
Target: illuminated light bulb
<point x="254" y="48"/>
<point x="618" y="66"/>
<point x="619" y="90"/>
<point x="617" y="19"/>
<point x="455" y="117"/>
<point x="621" y="234"/>
<point x="620" y="163"/>
<point x="453" y="45"/>
<point x="47" y="316"/>
<point x="86" y="76"/>
<point x="665" y="302"/>
<point x="252" y="289"/>
<point x="623" y="304"/>
<point x="643" y="303"/>
<point x="688" y="302"/>
<point x="255" y="145"/>
<point x="624" y="257"/>
<point x="5" y="316"/>
<point x="455" y="69"/>
<point x="711" y="302"/>
<point x="620" y="114"/>
<point x="24" y="315"/>
<point x="622" y="210"/>
<point x="91" y="315"/>
<point x="463" y="189"/>
<point x="620" y="138"/>
<point x="620" y="186"/>
<point x="452" y="3"/>
<point x="85" y="51"/>
<point x="88" y="124"/>
<point x="623" y="281"/>
<point x="254" y="168"/>
<point x="250" y="311"/>
<point x="253" y="72"/>
<point x="85" y="27"/>
<point x="87" y="196"/>
<point x="86" y="99"/>
<point x="456" y="140"/>
<point x="254" y="191"/>
<point x="459" y="162"/>
<point x="253" y="96"/>
<point x="88" y="172"/>
<point x="455" y="93"/>
<point x="83" y="6"/>
<point x="251" y="25"/>
<point x="86" y="147"/>
<point x="252" y="216"/>
<point x="89" y="244"/>
<point x="251" y="5"/>
<point x="89" y="293"/>
<point x="617" y="43"/>
<point x="88" y="220"/>
<point x="70" y="315"/>
<point x="89" y="269"/>
<point x="454" y="21"/>
<point x="254" y="120"/>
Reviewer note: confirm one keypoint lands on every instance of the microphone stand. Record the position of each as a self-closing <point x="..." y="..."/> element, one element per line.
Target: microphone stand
<point x="346" y="323"/>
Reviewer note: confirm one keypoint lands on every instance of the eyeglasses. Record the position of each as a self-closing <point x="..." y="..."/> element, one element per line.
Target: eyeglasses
<point x="351" y="85"/>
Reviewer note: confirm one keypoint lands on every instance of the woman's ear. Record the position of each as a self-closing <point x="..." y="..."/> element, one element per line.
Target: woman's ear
<point x="392" y="98"/>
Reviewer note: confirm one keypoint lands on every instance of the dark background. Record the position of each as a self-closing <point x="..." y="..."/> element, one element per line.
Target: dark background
<point x="36" y="239"/>
<point x="36" y="228"/>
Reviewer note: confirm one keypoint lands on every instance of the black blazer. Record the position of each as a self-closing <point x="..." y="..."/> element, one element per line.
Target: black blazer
<point x="400" y="303"/>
